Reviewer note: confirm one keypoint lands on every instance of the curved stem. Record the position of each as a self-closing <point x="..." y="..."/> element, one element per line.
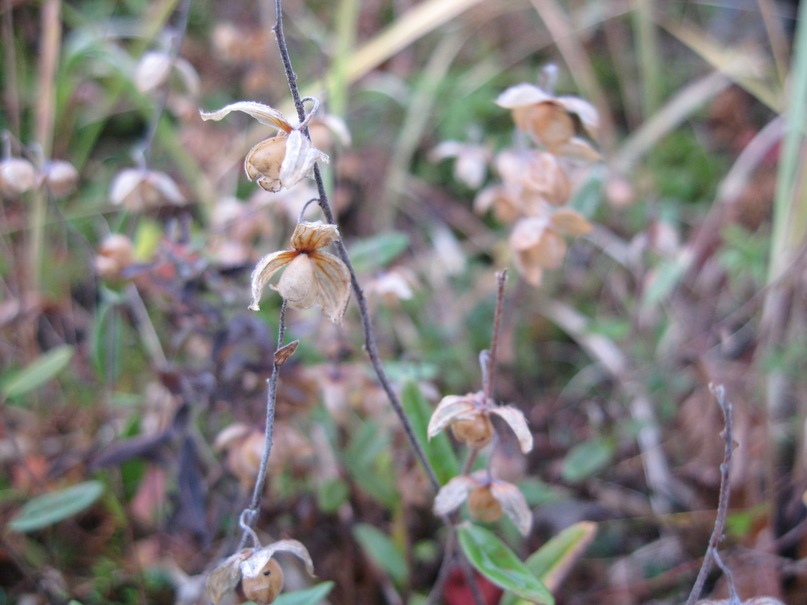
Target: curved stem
<point x="361" y="299"/>
<point x="249" y="515"/>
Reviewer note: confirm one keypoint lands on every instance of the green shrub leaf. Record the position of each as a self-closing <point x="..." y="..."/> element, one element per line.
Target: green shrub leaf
<point x="587" y="458"/>
<point x="38" y="372"/>
<point x="51" y="508"/>
<point x="378" y="251"/>
<point x="438" y="450"/>
<point x="307" y="596"/>
<point x="494" y="560"/>
<point x="382" y="551"/>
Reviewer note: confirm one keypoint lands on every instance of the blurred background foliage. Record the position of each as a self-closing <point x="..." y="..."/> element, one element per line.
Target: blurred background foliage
<point x="132" y="377"/>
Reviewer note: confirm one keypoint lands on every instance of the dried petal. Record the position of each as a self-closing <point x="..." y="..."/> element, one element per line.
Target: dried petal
<point x="516" y="421"/>
<point x="263" y="113"/>
<point x="310" y="236"/>
<point x="571" y="222"/>
<point x="253" y="566"/>
<point x="449" y="409"/>
<point x="588" y="114"/>
<point x="152" y="71"/>
<point x="333" y="284"/>
<point x="514" y="505"/>
<point x="300" y="158"/>
<point x="453" y="494"/>
<point x="226" y="576"/>
<point x="297" y="285"/>
<point x="577" y="148"/>
<point x="546" y="177"/>
<point x="500" y="199"/>
<point x="264" y="271"/>
<point x="264" y="161"/>
<point x="522" y="95"/>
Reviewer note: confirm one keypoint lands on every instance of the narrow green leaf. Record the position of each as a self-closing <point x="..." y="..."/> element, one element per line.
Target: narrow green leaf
<point x="307" y="596"/>
<point x="438" y="450"/>
<point x="51" y="508"/>
<point x="552" y="561"/>
<point x="332" y="494"/>
<point x="38" y="372"/>
<point x="494" y="560"/>
<point x="586" y="458"/>
<point x="378" y="251"/>
<point x="382" y="551"/>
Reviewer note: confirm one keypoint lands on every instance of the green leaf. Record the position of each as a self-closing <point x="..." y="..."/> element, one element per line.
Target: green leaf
<point x="332" y="494"/>
<point x="382" y="551"/>
<point x="438" y="451"/>
<point x="552" y="561"/>
<point x="378" y="251"/>
<point x="51" y="508"/>
<point x="38" y="372"/>
<point x="367" y="459"/>
<point x="491" y="557"/>
<point x="665" y="279"/>
<point x="587" y="458"/>
<point x="307" y="596"/>
<point x="537" y="493"/>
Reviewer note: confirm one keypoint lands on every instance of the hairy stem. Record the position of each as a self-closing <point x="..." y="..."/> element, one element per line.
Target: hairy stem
<point x="341" y="250"/>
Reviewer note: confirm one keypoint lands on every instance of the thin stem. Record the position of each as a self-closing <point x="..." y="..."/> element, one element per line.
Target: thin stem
<point x="489" y="367"/>
<point x="723" y="502"/>
<point x="249" y="515"/>
<point x="12" y="95"/>
<point x="162" y="102"/>
<point x="341" y="250"/>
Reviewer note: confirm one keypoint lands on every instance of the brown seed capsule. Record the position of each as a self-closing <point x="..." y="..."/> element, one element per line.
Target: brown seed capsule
<point x="264" y="587"/>
<point x="475" y="432"/>
<point x="483" y="505"/>
<point x="115" y="254"/>
<point x="16" y="177"/>
<point x="61" y="177"/>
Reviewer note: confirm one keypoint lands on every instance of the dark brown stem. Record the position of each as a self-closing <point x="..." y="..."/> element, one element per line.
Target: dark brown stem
<point x="723" y="502"/>
<point x="341" y="250"/>
<point x="251" y="512"/>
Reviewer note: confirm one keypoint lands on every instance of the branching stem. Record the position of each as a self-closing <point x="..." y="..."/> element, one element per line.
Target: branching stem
<point x="723" y="502"/>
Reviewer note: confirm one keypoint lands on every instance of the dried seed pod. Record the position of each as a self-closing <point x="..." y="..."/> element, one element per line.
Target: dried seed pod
<point x="475" y="432"/>
<point x="140" y="189"/>
<point x="61" y="177"/>
<point x="263" y="163"/>
<point x="115" y="254"/>
<point x="264" y="587"/>
<point x="16" y="177"/>
<point x="483" y="505"/>
<point x="152" y="71"/>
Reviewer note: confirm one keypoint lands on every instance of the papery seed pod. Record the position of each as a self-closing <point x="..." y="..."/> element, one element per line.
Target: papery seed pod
<point x="483" y="505"/>
<point x="140" y="189"/>
<point x="475" y="432"/>
<point x="547" y="178"/>
<point x="16" y="177"/>
<point x="548" y="123"/>
<point x="61" y="177"/>
<point x="152" y="71"/>
<point x="263" y="163"/>
<point x="115" y="254"/>
<point x="264" y="588"/>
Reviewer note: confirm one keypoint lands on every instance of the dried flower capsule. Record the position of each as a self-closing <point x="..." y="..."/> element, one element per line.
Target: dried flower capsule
<point x="259" y="574"/>
<point x="264" y="587"/>
<point x="16" y="177"/>
<point x="115" y="254"/>
<point x="140" y="189"/>
<point x="277" y="162"/>
<point x="487" y="499"/>
<point x="472" y="413"/>
<point x="551" y="121"/>
<point x="61" y="177"/>
<point x="311" y="276"/>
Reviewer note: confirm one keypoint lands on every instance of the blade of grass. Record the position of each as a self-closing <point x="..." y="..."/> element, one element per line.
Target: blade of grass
<point x="649" y="58"/>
